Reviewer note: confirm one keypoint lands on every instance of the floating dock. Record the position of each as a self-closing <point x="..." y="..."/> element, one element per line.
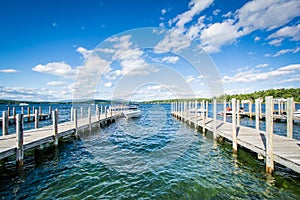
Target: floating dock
<point x="275" y="148"/>
<point x="16" y="144"/>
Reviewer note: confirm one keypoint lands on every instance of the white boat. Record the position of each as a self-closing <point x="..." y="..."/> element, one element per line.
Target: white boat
<point x="297" y="113"/>
<point x="23" y="104"/>
<point x="132" y="112"/>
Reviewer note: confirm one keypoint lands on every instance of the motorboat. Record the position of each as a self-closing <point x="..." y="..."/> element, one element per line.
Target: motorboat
<point x="23" y="104"/>
<point x="132" y="111"/>
<point x="297" y="114"/>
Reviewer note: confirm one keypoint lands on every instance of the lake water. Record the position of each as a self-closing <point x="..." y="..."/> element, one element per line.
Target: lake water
<point x="152" y="157"/>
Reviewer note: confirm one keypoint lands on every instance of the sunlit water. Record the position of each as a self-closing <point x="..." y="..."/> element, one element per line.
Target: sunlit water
<point x="152" y="157"/>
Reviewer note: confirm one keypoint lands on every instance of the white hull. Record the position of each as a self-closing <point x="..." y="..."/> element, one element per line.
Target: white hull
<point x="132" y="114"/>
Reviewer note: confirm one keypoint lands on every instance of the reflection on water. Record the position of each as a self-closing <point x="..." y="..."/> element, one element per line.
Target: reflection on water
<point x="152" y="157"/>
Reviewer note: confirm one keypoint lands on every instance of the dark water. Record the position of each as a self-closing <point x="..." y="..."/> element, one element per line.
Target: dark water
<point x="153" y="157"/>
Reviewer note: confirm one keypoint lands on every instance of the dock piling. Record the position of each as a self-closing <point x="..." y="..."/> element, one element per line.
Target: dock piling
<point x="4" y="123"/>
<point x="257" y="109"/>
<point x="90" y="119"/>
<point x="215" y="119"/>
<point x="55" y="128"/>
<point x="234" y="139"/>
<point x="19" y="139"/>
<point x="269" y="135"/>
<point x="36" y="118"/>
<point x="75" y="122"/>
<point x="290" y="116"/>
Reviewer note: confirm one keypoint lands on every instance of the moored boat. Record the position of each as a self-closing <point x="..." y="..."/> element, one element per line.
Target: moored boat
<point x="132" y="112"/>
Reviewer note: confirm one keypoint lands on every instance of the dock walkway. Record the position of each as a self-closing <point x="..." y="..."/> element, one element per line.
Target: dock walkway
<point x="36" y="137"/>
<point x="286" y="151"/>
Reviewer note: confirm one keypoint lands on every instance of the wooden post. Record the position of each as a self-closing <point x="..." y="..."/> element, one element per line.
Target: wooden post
<point x="75" y="122"/>
<point x="101" y="111"/>
<point x="189" y="112"/>
<point x="260" y="108"/>
<point x="14" y="114"/>
<point x="4" y="123"/>
<point x="81" y="112"/>
<point x="234" y="138"/>
<point x="203" y="117"/>
<point x="55" y="127"/>
<point x="19" y="139"/>
<point x="269" y="135"/>
<point x="90" y="119"/>
<point x="49" y="112"/>
<point x="215" y="119"/>
<point x="250" y="109"/>
<point x="36" y="118"/>
<point x="28" y="113"/>
<point x="196" y="114"/>
<point x="257" y="114"/>
<point x="72" y="113"/>
<point x="290" y="116"/>
<point x="40" y="111"/>
<point x="238" y="112"/>
<point x="22" y="111"/>
<point x="97" y="112"/>
<point x="8" y="111"/>
<point x="224" y="112"/>
<point x="206" y="107"/>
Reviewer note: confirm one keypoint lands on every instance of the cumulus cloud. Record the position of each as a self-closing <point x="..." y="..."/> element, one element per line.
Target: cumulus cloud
<point x="292" y="32"/>
<point x="56" y="68"/>
<point x="263" y="14"/>
<point x="252" y="16"/>
<point x="175" y="40"/>
<point x="8" y="71"/>
<point x="254" y="75"/>
<point x="84" y="52"/>
<point x="170" y="59"/>
<point x="163" y="11"/>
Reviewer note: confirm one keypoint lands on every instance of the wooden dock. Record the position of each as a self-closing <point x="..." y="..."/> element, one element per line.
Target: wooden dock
<point x="275" y="148"/>
<point x="16" y="144"/>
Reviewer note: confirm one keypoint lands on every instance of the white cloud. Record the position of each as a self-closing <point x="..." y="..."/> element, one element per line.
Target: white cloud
<point x="292" y="32"/>
<point x="56" y="68"/>
<point x="256" y="38"/>
<point x="163" y="11"/>
<point x="195" y="8"/>
<point x="264" y="14"/>
<point x="190" y="78"/>
<point x="216" y="12"/>
<point x="175" y="40"/>
<point x="285" y="51"/>
<point x="56" y="83"/>
<point x="171" y="59"/>
<point x="8" y="70"/>
<point x="227" y="15"/>
<point x="108" y="84"/>
<point x="219" y="34"/>
<point x="33" y="94"/>
<point x="276" y="42"/>
<point x="84" y="52"/>
<point x="262" y="65"/>
<point x="254" y="75"/>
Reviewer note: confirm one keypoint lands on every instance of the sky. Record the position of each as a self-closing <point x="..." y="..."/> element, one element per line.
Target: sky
<point x="55" y="50"/>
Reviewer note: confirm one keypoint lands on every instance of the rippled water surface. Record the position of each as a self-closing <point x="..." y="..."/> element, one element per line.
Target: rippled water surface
<point x="153" y="157"/>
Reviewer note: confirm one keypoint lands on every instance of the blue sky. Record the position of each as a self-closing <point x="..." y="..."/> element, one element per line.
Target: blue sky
<point x="45" y="45"/>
